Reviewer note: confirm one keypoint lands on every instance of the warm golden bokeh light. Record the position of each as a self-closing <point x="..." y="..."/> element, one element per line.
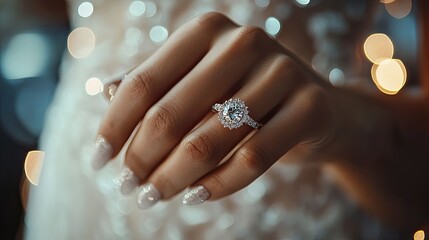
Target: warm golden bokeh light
<point x="389" y="76"/>
<point x="399" y="8"/>
<point x="33" y="166"/>
<point x="374" y="78"/>
<point x="378" y="47"/>
<point x="81" y="42"/>
<point x="387" y="1"/>
<point x="93" y="86"/>
<point x="419" y="235"/>
<point x="404" y="70"/>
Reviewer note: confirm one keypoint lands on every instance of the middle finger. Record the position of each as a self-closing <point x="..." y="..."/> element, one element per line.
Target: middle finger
<point x="203" y="149"/>
<point x="175" y="114"/>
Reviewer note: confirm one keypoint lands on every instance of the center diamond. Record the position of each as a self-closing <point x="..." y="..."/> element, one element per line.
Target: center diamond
<point x="233" y="113"/>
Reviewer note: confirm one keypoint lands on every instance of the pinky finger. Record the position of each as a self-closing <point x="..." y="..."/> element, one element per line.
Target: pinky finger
<point x="112" y="83"/>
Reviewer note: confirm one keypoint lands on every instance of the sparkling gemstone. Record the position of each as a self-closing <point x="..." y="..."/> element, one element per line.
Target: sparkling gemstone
<point x="233" y="112"/>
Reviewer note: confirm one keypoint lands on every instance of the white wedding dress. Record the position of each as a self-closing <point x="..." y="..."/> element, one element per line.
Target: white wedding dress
<point x="287" y="202"/>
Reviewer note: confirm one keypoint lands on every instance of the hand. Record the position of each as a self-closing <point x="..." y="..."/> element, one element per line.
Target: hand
<point x="181" y="143"/>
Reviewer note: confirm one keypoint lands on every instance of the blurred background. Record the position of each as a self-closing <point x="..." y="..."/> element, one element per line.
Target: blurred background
<point x="32" y="42"/>
<point x="34" y="38"/>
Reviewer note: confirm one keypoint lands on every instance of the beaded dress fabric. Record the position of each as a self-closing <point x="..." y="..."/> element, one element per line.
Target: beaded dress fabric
<point x="287" y="202"/>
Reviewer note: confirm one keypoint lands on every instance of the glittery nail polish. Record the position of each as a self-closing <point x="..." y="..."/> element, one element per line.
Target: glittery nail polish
<point x="196" y="196"/>
<point x="148" y="196"/>
<point x="127" y="181"/>
<point x="102" y="153"/>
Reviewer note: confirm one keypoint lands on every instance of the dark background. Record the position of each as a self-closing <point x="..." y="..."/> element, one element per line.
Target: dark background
<point x="25" y="95"/>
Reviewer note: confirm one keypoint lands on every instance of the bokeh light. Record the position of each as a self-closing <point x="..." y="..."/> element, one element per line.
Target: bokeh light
<point x="133" y="36"/>
<point x="386" y="1"/>
<point x="33" y="165"/>
<point x="26" y="55"/>
<point x="81" y="42"/>
<point x="378" y="47"/>
<point x="85" y="9"/>
<point x="150" y="9"/>
<point x="303" y="2"/>
<point x="137" y="8"/>
<point x="93" y="86"/>
<point x="158" y="34"/>
<point x="336" y="77"/>
<point x="389" y="76"/>
<point x="272" y="26"/>
<point x="262" y="3"/>
<point x="399" y="8"/>
<point x="419" y="235"/>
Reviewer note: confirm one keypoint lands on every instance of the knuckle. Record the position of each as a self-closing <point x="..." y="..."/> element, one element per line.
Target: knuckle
<point x="314" y="103"/>
<point x="200" y="147"/>
<point x="132" y="155"/>
<point x="282" y="66"/>
<point x="253" y="159"/>
<point x="248" y="37"/>
<point x="282" y="62"/>
<point x="217" y="184"/>
<point x="133" y="159"/>
<point x="165" y="185"/>
<point x="211" y="21"/>
<point x="317" y="98"/>
<point x="161" y="119"/>
<point x="141" y="85"/>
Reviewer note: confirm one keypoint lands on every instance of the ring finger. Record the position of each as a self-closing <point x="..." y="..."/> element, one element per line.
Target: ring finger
<point x="175" y="114"/>
<point x="202" y="149"/>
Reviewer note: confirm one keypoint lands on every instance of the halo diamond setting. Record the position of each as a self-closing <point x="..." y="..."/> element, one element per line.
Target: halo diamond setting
<point x="233" y="113"/>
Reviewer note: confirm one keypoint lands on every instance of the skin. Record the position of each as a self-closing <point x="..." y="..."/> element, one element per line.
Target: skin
<point x="374" y="144"/>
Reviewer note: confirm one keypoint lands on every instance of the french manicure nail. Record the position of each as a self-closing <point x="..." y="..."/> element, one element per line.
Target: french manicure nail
<point x="196" y="196"/>
<point x="127" y="181"/>
<point x="102" y="153"/>
<point x="148" y="196"/>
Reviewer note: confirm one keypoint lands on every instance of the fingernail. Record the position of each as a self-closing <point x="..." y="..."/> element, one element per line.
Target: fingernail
<point x="112" y="90"/>
<point x="111" y="85"/>
<point x="102" y="153"/>
<point x="196" y="196"/>
<point x="127" y="181"/>
<point x="148" y="196"/>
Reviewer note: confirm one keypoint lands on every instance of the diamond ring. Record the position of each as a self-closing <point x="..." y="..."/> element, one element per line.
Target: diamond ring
<point x="233" y="113"/>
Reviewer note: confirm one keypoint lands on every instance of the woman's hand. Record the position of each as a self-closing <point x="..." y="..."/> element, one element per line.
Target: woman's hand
<point x="180" y="141"/>
<point x="376" y="146"/>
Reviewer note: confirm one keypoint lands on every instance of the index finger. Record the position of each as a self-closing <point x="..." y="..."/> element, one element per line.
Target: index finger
<point x="146" y="84"/>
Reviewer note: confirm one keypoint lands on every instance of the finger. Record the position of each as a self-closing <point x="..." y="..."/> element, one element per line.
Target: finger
<point x="148" y="82"/>
<point x="203" y="149"/>
<point x="170" y="119"/>
<point x="111" y="84"/>
<point x="293" y="124"/>
<point x="110" y="89"/>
